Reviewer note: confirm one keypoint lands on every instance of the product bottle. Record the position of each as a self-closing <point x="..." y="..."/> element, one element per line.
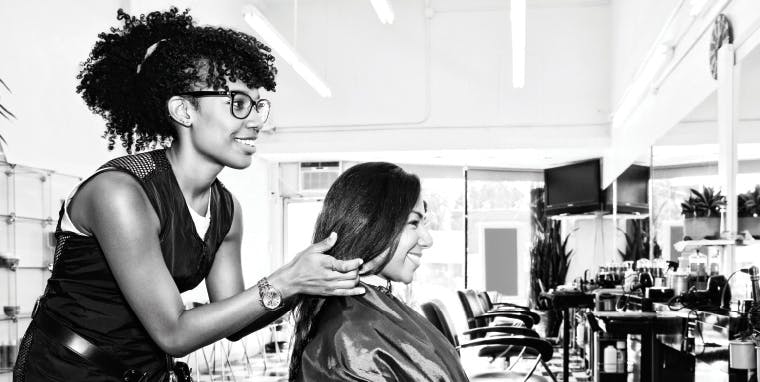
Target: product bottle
<point x="629" y="277"/>
<point x="12" y="354"/>
<point x="714" y="257"/>
<point x="701" y="281"/>
<point x="621" y="357"/>
<point x="3" y="355"/>
<point x="610" y="359"/>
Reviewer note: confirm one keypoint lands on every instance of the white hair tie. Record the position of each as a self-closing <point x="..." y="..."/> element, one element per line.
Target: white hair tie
<point x="148" y="52"/>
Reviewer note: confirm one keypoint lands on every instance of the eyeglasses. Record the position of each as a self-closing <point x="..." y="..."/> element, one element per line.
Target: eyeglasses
<point x="241" y="103"/>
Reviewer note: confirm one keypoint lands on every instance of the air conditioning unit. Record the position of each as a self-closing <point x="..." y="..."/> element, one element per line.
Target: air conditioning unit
<point x="317" y="176"/>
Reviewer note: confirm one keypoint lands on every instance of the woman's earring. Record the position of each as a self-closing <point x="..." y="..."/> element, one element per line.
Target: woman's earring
<point x="389" y="286"/>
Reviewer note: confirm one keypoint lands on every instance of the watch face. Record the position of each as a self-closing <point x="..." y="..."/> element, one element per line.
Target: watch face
<point x="272" y="299"/>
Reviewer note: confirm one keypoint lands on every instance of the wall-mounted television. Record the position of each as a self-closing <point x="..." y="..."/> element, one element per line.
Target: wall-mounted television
<point x="632" y="191"/>
<point x="574" y="188"/>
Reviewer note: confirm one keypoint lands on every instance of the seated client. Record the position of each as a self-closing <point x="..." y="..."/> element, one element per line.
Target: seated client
<point x="377" y="212"/>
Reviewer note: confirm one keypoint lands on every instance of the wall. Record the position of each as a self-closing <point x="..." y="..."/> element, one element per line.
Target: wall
<point x="442" y="82"/>
<point x="43" y="43"/>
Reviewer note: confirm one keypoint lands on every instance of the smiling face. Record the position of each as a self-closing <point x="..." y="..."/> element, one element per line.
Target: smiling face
<point x="413" y="240"/>
<point x="218" y="135"/>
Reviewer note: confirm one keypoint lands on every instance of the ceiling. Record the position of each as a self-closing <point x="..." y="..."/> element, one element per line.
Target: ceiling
<point x="695" y="139"/>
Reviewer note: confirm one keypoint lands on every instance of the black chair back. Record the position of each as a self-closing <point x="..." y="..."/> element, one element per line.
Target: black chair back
<point x="437" y="314"/>
<point x="475" y="303"/>
<point x="467" y="309"/>
<point x="486" y="299"/>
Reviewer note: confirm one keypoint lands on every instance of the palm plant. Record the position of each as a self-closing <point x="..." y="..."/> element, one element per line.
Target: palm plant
<point x="549" y="260"/>
<point x="707" y="203"/>
<point x="637" y="241"/>
<point x="749" y="203"/>
<point x="549" y="254"/>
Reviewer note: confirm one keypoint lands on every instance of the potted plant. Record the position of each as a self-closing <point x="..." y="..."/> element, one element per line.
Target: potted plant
<point x="701" y="213"/>
<point x="549" y="260"/>
<point x="636" y="240"/>
<point x="749" y="212"/>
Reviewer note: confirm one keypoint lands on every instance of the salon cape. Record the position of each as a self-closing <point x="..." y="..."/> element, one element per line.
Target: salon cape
<point x="376" y="337"/>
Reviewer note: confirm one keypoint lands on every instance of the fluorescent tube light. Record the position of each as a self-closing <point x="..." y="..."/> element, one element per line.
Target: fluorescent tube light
<point x="517" y="18"/>
<point x="277" y="42"/>
<point x="383" y="10"/>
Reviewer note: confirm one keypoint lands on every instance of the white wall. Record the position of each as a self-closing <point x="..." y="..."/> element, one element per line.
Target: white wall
<point x="42" y="45"/>
<point x="379" y="77"/>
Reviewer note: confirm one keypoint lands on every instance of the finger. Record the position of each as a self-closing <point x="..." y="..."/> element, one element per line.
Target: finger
<point x="346" y="292"/>
<point x="373" y="264"/>
<point x="352" y="275"/>
<point x="343" y="284"/>
<point x="346" y="265"/>
<point x="325" y="244"/>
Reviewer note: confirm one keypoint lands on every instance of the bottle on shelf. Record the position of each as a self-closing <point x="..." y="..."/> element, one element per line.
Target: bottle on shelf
<point x="629" y="277"/>
<point x="12" y="354"/>
<point x="622" y="362"/>
<point x="3" y="356"/>
<point x="610" y="355"/>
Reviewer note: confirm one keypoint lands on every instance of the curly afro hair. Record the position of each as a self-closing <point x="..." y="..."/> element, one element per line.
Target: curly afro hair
<point x="174" y="56"/>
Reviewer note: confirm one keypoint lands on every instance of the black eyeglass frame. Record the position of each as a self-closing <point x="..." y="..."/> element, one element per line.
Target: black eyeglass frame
<point x="231" y="94"/>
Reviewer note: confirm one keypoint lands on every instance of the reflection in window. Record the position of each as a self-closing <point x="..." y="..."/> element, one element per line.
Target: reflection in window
<point x="498" y="237"/>
<point x="667" y="195"/>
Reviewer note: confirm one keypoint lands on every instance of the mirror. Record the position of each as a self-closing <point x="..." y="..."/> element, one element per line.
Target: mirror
<point x="685" y="158"/>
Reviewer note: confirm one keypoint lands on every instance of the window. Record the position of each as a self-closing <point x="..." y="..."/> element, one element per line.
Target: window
<point x="498" y="230"/>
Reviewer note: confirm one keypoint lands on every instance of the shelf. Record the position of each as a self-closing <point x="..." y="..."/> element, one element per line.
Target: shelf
<point x="20" y="316"/>
<point x="12" y="218"/>
<point x="694" y="244"/>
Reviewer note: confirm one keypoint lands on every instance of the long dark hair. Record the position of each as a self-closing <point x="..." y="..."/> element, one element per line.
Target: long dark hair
<point x="367" y="206"/>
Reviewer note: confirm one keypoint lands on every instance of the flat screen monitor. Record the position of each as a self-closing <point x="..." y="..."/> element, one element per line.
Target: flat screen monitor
<point x="573" y="188"/>
<point x="632" y="191"/>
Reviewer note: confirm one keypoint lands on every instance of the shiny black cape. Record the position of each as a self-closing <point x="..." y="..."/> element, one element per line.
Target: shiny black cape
<point x="376" y="337"/>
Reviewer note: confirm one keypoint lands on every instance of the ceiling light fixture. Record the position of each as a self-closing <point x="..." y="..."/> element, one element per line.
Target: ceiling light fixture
<point x="383" y="10"/>
<point x="517" y="18"/>
<point x="277" y="42"/>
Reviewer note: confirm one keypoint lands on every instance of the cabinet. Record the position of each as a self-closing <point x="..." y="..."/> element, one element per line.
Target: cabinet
<point x="30" y="199"/>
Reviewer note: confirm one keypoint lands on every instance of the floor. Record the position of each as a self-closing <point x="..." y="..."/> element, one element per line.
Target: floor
<point x="273" y="367"/>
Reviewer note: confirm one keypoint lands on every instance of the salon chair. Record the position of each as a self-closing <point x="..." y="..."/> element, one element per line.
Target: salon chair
<point x="509" y="341"/>
<point x="478" y="317"/>
<point x="489" y="306"/>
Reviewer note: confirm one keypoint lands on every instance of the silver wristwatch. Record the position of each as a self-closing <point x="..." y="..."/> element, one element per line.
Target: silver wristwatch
<point x="269" y="296"/>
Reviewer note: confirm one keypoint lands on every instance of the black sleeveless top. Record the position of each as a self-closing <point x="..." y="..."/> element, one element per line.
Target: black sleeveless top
<point x="82" y="292"/>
